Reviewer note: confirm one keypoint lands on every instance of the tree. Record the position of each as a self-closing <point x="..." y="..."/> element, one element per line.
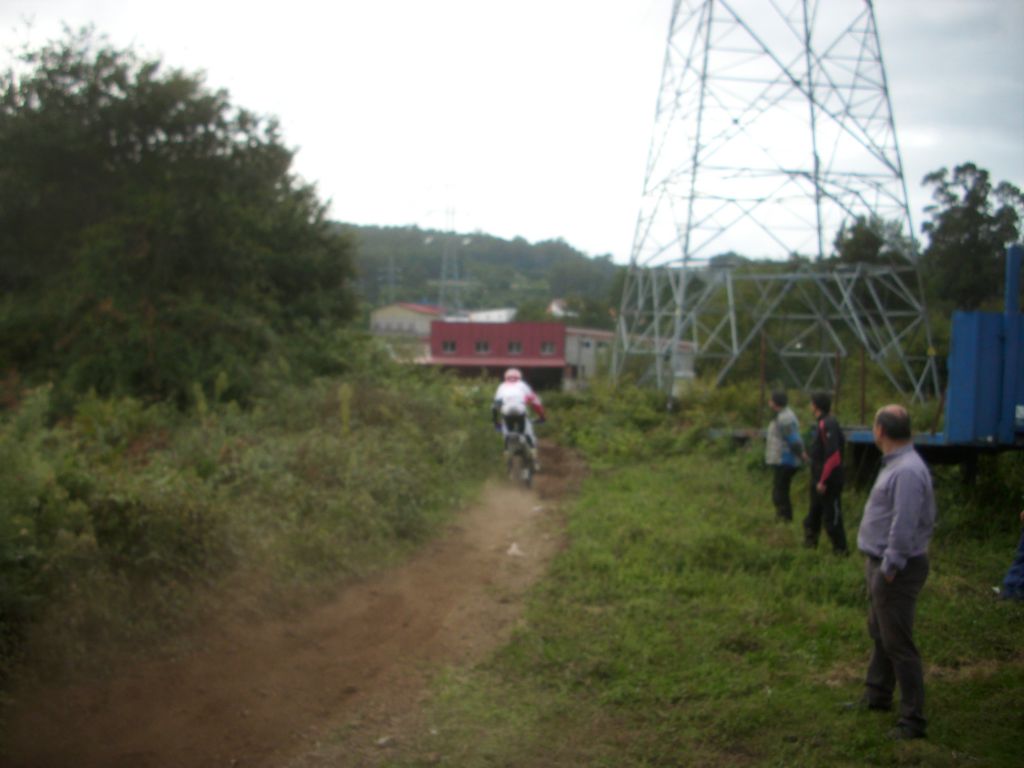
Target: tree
<point x="591" y="313"/>
<point x="532" y="311"/>
<point x="581" y="277"/>
<point x="971" y="225"/>
<point x="871" y="240"/>
<point x="151" y="234"/>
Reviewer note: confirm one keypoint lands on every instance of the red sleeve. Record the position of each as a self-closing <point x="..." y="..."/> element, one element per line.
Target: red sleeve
<point x="833" y="457"/>
<point x="534" y="402"/>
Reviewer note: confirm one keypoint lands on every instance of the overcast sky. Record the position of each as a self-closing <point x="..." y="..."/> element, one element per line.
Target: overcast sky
<point x="531" y="118"/>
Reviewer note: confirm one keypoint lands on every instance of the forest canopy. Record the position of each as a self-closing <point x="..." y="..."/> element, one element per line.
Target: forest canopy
<point x="406" y="263"/>
<point x="152" y="234"/>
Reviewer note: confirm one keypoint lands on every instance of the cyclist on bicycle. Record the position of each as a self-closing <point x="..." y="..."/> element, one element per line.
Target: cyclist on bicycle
<point x="511" y="401"/>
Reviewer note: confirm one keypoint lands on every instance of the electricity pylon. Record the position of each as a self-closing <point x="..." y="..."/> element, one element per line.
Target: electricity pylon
<point x="773" y="130"/>
<point x="449" y="297"/>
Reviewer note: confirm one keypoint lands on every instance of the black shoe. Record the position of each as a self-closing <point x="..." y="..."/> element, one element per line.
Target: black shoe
<point x="863" y="705"/>
<point x="904" y="733"/>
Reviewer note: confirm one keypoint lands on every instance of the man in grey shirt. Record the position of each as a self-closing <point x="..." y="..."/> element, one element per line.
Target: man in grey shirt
<point x="898" y="521"/>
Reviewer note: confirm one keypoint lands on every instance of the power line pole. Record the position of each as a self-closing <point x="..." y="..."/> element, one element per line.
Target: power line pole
<point x="773" y="129"/>
<point x="450" y="288"/>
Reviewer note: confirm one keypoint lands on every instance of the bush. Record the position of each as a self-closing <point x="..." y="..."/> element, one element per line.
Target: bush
<point x="989" y="506"/>
<point x="110" y="519"/>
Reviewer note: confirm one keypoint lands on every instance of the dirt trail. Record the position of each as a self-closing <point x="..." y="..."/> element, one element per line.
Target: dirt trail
<point x="355" y="670"/>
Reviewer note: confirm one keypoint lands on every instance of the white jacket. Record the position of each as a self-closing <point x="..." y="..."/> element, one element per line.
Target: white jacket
<point x="513" y="398"/>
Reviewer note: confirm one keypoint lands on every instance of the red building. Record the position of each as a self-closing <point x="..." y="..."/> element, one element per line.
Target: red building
<point x="537" y="349"/>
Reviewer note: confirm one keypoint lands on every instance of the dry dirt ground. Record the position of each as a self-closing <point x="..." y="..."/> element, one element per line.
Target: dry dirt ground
<point x="339" y="684"/>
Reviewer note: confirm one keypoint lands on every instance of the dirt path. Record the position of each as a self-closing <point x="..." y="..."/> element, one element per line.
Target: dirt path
<point x="354" y="670"/>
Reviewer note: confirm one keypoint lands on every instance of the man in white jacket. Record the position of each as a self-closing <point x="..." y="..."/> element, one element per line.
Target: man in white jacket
<point x="512" y="400"/>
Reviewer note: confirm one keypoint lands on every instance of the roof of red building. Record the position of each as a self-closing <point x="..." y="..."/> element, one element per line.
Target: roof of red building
<point x="426" y="309"/>
<point x="596" y="333"/>
<point x="484" y="361"/>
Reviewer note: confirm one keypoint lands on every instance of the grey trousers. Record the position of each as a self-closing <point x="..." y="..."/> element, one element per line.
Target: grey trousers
<point x="895" y="659"/>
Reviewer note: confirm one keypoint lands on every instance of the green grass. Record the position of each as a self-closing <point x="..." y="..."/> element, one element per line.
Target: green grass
<point x="683" y="626"/>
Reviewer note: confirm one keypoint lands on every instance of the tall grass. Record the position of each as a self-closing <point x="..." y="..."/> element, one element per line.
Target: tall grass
<point x="118" y="524"/>
<point x="684" y="626"/>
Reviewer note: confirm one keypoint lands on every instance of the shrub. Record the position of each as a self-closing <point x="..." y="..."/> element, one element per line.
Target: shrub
<point x="111" y="518"/>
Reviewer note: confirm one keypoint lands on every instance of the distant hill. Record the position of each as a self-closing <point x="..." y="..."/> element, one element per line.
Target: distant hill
<point x="404" y="264"/>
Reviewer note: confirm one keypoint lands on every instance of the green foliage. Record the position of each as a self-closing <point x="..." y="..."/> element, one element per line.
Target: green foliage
<point x="972" y="223"/>
<point x="115" y="522"/>
<point x="404" y="263"/>
<point x="870" y="240"/>
<point x="612" y="425"/>
<point x="151" y="234"/>
<point x="998" y="490"/>
<point x="532" y="311"/>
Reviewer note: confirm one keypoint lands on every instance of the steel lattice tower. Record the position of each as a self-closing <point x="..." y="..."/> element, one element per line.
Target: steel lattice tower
<point x="773" y="129"/>
<point x="449" y="297"/>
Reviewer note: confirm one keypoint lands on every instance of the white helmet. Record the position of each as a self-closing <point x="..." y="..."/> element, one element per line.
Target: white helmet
<point x="513" y="374"/>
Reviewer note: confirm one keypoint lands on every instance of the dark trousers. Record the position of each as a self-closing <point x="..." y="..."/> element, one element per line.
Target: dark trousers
<point x="895" y="659"/>
<point x="781" y="481"/>
<point x="826" y="508"/>
<point x="517" y="423"/>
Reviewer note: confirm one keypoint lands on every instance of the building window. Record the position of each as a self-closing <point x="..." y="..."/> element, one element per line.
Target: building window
<point x="586" y="343"/>
<point x="483" y="347"/>
<point x="448" y="347"/>
<point x="515" y="347"/>
<point x="547" y="347"/>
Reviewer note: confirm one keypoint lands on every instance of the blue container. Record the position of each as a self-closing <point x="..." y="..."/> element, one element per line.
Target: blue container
<point x="974" y="395"/>
<point x="985" y="396"/>
<point x="1012" y="427"/>
<point x="985" y="391"/>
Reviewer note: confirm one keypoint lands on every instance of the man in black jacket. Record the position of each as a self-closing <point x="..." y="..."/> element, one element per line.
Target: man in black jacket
<point x="826" y="460"/>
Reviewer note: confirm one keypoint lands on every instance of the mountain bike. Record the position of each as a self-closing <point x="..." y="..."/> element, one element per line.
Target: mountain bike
<point x="518" y="458"/>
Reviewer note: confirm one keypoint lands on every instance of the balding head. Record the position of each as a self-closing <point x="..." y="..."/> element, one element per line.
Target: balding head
<point x="893" y="422"/>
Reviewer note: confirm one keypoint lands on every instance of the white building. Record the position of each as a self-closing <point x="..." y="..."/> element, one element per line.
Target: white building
<point x="587" y="352"/>
<point x="404" y="328"/>
<point x="404" y="319"/>
<point x="502" y="315"/>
